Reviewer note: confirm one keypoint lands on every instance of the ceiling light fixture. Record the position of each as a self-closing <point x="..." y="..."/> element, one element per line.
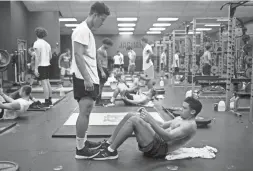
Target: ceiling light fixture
<point x="154" y="32"/>
<point x="203" y="29"/>
<point x="126" y="25"/>
<point x="127" y="19"/>
<point x="167" y="19"/>
<point x="126" y="29"/>
<point x="157" y="29"/>
<point x="71" y="25"/>
<point x="190" y="32"/>
<point x="161" y="24"/>
<point x="212" y="25"/>
<point x="125" y="33"/>
<point x="67" y="19"/>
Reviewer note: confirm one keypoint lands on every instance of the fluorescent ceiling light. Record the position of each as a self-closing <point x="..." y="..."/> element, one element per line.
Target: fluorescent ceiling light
<point x="67" y="19"/>
<point x="71" y="25"/>
<point x="203" y="29"/>
<point x="167" y="19"/>
<point x="157" y="29"/>
<point x="126" y="25"/>
<point x="190" y="32"/>
<point x="126" y="29"/>
<point x="127" y="19"/>
<point x="222" y="19"/>
<point x="212" y="25"/>
<point x="161" y="24"/>
<point x="154" y="32"/>
<point x="124" y="33"/>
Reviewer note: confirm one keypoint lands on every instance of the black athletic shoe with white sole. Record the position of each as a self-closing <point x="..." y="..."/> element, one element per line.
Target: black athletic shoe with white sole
<point x="86" y="153"/>
<point x="92" y="145"/>
<point x="104" y="145"/>
<point x="106" y="155"/>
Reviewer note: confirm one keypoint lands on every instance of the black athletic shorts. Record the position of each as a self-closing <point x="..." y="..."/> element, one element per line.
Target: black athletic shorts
<point x="103" y="80"/>
<point x="80" y="92"/>
<point x="156" y="149"/>
<point x="43" y="72"/>
<point x="206" y="69"/>
<point x="130" y="97"/>
<point x="176" y="70"/>
<point x="116" y="66"/>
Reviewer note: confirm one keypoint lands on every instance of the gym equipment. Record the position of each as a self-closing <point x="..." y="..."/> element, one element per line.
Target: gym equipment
<point x="248" y="72"/>
<point x="248" y="59"/>
<point x="8" y="166"/>
<point x="5" y="58"/>
<point x="214" y="70"/>
<point x="160" y="91"/>
<point x="6" y="125"/>
<point x="245" y="38"/>
<point x="247" y="48"/>
<point x="105" y="120"/>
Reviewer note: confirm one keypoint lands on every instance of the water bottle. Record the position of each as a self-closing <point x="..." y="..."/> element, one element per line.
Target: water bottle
<point x="221" y="106"/>
<point x="161" y="82"/>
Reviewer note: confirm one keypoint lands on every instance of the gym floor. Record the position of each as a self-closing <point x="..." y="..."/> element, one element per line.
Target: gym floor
<point x="31" y="146"/>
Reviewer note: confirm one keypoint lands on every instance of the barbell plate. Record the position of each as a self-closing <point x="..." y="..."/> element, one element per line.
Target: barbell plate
<point x="248" y="72"/>
<point x="245" y="38"/>
<point x="5" y="58"/>
<point x="248" y="59"/>
<point x="214" y="69"/>
<point x="247" y="48"/>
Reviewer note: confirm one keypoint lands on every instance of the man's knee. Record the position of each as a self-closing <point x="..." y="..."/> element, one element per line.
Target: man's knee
<point x="136" y="120"/>
<point x="129" y="115"/>
<point x="86" y="104"/>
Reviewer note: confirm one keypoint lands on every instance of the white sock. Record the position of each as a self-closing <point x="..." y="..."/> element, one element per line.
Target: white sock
<point x="108" y="142"/>
<point x="80" y="143"/>
<point x="110" y="149"/>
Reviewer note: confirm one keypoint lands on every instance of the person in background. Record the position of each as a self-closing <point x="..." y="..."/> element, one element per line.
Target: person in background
<point x="42" y="63"/>
<point x="132" y="58"/>
<point x="64" y="64"/>
<point x="121" y="61"/>
<point x="175" y="65"/>
<point x="163" y="60"/>
<point x="31" y="65"/>
<point x="207" y="60"/>
<point x="117" y="62"/>
<point x="102" y="62"/>
<point x="85" y="76"/>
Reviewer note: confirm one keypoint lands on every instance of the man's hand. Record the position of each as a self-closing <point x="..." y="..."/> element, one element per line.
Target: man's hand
<point x="88" y="85"/>
<point x="36" y="72"/>
<point x="146" y="116"/>
<point x="147" y="61"/>
<point x="1" y="92"/>
<point x="103" y="74"/>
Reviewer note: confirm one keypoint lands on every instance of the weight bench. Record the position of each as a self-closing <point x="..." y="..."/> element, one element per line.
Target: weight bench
<point x="239" y="96"/>
<point x="200" y="120"/>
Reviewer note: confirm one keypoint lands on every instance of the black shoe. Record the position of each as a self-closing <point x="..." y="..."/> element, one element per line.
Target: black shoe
<point x="92" y="145"/>
<point x="104" y="145"/>
<point x="106" y="155"/>
<point x="49" y="102"/>
<point x="44" y="105"/>
<point x="86" y="153"/>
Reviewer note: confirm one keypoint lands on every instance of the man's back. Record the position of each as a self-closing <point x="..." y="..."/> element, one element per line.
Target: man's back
<point x="102" y="54"/>
<point x="44" y="50"/>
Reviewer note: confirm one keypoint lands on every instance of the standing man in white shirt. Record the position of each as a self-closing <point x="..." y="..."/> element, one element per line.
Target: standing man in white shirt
<point x="147" y="64"/>
<point x="42" y="64"/>
<point x="175" y="64"/>
<point x="163" y="60"/>
<point x="116" y="62"/>
<point x="207" y="61"/>
<point x="121" y="61"/>
<point x="132" y="57"/>
<point x="85" y="76"/>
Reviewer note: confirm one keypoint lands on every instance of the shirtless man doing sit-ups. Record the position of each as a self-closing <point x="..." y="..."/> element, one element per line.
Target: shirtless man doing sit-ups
<point x="154" y="139"/>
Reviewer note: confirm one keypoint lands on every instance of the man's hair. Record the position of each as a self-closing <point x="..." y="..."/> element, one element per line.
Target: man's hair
<point x="144" y="39"/>
<point x="100" y="8"/>
<point x="27" y="89"/>
<point x="208" y="47"/>
<point x="129" y="48"/>
<point x="194" y="104"/>
<point x="118" y="75"/>
<point x="107" y="41"/>
<point x="153" y="92"/>
<point x="40" y="32"/>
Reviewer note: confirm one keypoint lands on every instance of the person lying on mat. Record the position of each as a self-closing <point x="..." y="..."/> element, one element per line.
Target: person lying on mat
<point x="11" y="109"/>
<point x="122" y="87"/>
<point x="155" y="139"/>
<point x="138" y="99"/>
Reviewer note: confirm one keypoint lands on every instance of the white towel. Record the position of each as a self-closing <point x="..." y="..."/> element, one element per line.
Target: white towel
<point x="149" y="104"/>
<point x="206" y="152"/>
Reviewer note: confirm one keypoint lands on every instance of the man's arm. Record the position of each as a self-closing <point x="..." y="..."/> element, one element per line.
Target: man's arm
<point x="99" y="59"/>
<point x="177" y="60"/>
<point x="10" y="106"/>
<point x="81" y="50"/>
<point x="37" y="58"/>
<point x="59" y="60"/>
<point x="150" y="54"/>
<point x="6" y="98"/>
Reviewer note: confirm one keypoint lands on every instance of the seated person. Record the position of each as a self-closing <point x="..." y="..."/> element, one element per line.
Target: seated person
<point x="15" y="108"/>
<point x="138" y="99"/>
<point x="154" y="139"/>
<point x="122" y="87"/>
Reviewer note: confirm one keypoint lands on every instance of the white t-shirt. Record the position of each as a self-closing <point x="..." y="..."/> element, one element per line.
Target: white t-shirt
<point x="117" y="60"/>
<point x="176" y="58"/>
<point x="207" y="57"/>
<point x="163" y="58"/>
<point x="83" y="35"/>
<point x="13" y="114"/>
<point x="145" y="56"/>
<point x="44" y="51"/>
<point x="132" y="57"/>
